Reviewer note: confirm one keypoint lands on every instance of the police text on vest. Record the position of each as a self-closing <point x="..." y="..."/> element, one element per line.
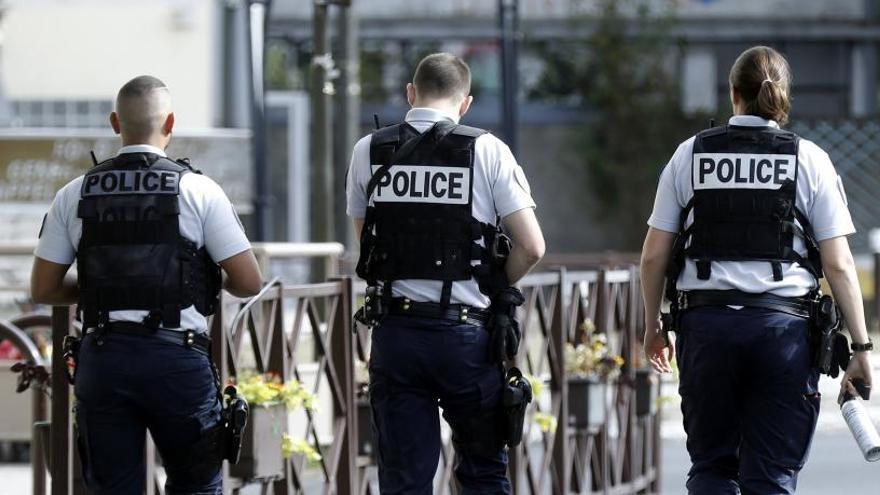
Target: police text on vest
<point x="115" y="182"/>
<point x="742" y="170"/>
<point x="424" y="184"/>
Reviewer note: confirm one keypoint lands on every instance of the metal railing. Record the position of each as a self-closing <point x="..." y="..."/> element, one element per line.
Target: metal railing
<point x="328" y="254"/>
<point x="619" y="456"/>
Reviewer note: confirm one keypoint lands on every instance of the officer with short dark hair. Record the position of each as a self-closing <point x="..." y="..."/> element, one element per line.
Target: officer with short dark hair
<point x="747" y="218"/>
<point x="426" y="196"/>
<point x="147" y="233"/>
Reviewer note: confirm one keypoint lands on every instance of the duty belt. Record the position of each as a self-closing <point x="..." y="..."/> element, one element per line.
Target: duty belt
<point x="459" y="313"/>
<point x="795" y="306"/>
<point x="185" y="338"/>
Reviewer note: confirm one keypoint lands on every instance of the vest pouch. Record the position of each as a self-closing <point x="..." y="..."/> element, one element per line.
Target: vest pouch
<point x="129" y="276"/>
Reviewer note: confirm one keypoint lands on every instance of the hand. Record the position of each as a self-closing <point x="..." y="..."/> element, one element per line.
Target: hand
<point x="503" y="327"/>
<point x="659" y="351"/>
<point x="505" y="336"/>
<point x="859" y="368"/>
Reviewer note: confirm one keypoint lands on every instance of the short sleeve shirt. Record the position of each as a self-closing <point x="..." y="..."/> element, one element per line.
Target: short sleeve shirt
<point x="500" y="188"/>
<point x="207" y="218"/>
<point x="820" y="196"/>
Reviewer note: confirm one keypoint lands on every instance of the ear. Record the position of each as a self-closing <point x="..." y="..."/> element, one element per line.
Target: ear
<point x="411" y="94"/>
<point x="734" y="97"/>
<point x="114" y="122"/>
<point x="168" y="126"/>
<point x="465" y="105"/>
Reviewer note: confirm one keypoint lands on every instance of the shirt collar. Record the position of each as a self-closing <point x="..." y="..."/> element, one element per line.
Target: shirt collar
<point x="140" y="148"/>
<point x="424" y="114"/>
<point x="752" y="121"/>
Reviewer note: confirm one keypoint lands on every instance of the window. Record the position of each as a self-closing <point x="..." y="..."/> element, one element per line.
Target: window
<point x="60" y="113"/>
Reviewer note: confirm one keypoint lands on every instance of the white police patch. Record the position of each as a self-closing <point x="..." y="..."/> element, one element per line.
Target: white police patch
<point x="424" y="184"/>
<point x="116" y="182"/>
<point x="742" y="170"/>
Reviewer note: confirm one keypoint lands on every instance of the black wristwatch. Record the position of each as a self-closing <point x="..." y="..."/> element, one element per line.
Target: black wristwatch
<point x="862" y="347"/>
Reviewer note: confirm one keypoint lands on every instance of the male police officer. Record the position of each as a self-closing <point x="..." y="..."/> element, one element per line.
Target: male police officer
<point x="425" y="196"/>
<point x="145" y="231"/>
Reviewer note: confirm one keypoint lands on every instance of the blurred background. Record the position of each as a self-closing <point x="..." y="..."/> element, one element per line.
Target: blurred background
<point x="592" y="95"/>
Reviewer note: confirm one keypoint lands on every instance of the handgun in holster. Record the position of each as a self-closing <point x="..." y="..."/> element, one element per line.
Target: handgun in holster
<point x="517" y="396"/>
<point x="234" y="417"/>
<point x="831" y="346"/>
<point x="373" y="309"/>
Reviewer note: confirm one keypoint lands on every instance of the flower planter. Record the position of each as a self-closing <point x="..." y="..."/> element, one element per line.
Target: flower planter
<point x="646" y="392"/>
<point x="366" y="441"/>
<point x="261" y="444"/>
<point x="587" y="401"/>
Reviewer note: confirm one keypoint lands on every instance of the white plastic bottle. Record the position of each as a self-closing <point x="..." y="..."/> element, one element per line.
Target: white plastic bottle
<point x="856" y="416"/>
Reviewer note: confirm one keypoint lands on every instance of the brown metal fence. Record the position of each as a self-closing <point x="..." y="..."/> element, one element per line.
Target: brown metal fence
<point x="619" y="456"/>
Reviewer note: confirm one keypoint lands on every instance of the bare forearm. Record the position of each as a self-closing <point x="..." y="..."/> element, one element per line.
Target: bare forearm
<point x="848" y="294"/>
<point x="64" y="294"/>
<point x="653" y="276"/>
<point x="519" y="263"/>
<point x="655" y="257"/>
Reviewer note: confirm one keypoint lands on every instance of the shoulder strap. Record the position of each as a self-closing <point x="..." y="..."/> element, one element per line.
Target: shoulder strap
<point x="468" y="131"/>
<point x="163" y="163"/>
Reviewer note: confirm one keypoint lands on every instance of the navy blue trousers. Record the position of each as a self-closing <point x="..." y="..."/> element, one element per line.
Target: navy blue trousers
<point x="415" y="365"/>
<point x="131" y="384"/>
<point x="749" y="399"/>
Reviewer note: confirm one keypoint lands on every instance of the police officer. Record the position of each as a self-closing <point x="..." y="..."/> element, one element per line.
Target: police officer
<point x="425" y="197"/>
<point x="145" y="232"/>
<point x="746" y="218"/>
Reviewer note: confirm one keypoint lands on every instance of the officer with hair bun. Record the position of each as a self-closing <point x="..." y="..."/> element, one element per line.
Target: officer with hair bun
<point x="428" y="197"/>
<point x="747" y="219"/>
<point x="147" y="234"/>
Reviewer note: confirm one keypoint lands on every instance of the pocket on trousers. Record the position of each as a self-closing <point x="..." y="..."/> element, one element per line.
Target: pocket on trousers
<point x="491" y="387"/>
<point x="82" y="445"/>
<point x="811" y="405"/>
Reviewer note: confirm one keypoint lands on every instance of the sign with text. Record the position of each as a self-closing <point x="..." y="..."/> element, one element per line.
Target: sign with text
<point x="36" y="163"/>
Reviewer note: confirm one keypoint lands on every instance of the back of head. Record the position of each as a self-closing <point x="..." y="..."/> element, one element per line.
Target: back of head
<point x="142" y="106"/>
<point x="762" y="79"/>
<point x="442" y="76"/>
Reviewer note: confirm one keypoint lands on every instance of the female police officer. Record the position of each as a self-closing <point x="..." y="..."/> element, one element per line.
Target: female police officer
<point x="758" y="213"/>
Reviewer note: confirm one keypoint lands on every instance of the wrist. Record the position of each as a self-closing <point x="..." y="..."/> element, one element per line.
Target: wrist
<point x="862" y="347"/>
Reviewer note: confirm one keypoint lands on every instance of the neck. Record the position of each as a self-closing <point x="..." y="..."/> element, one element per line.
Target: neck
<point x="443" y="107"/>
<point x="156" y="143"/>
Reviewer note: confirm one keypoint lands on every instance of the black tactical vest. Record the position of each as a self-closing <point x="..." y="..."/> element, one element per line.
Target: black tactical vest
<point x="131" y="255"/>
<point x="744" y="203"/>
<point x="421" y="225"/>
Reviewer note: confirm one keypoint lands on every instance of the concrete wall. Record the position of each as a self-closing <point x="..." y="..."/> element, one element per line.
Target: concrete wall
<point x="86" y="49"/>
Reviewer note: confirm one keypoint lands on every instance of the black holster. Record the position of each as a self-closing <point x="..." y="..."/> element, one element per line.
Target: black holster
<point x="830" y="348"/>
<point x="670" y="321"/>
<point x="374" y="307"/>
<point x="517" y="396"/>
<point x="234" y="419"/>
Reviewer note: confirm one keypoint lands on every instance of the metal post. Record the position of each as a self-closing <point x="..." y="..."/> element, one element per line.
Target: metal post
<point x="342" y="354"/>
<point x="508" y="18"/>
<point x="321" y="89"/>
<point x="257" y="15"/>
<point x="347" y="110"/>
<point x="61" y="426"/>
<point x="559" y="329"/>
